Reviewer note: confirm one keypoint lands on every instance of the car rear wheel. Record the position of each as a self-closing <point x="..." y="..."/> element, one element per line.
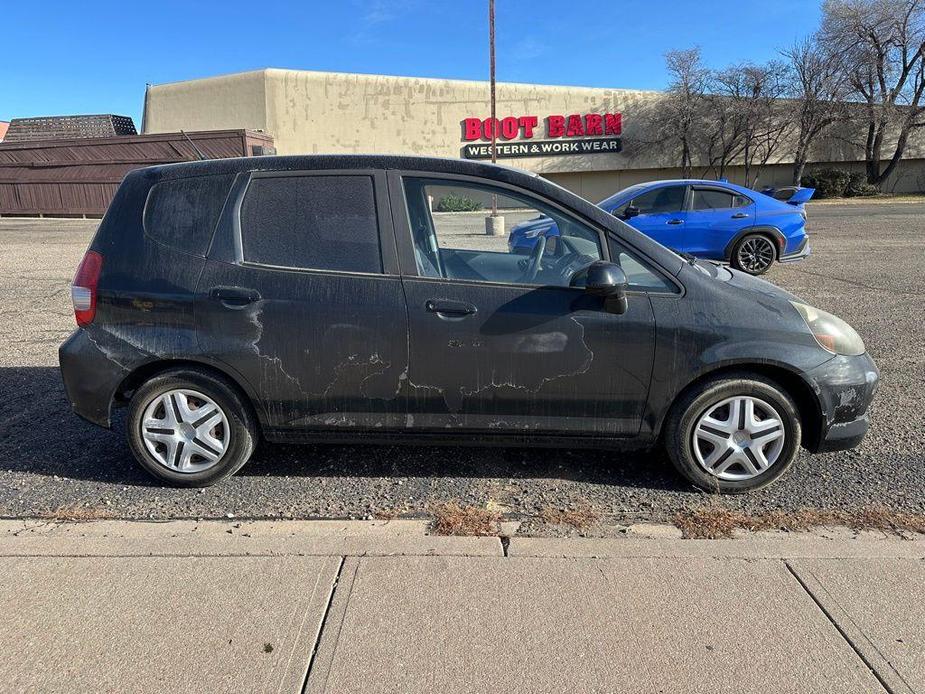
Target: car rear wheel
<point x="733" y="434"/>
<point x="754" y="254"/>
<point x="190" y="428"/>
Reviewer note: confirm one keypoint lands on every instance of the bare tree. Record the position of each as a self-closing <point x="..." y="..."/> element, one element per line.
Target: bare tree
<point x="682" y="111"/>
<point x="723" y="131"/>
<point x="750" y="125"/>
<point x="882" y="43"/>
<point x="817" y="89"/>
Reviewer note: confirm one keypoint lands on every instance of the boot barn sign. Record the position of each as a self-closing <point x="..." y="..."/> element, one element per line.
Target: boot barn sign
<point x="523" y="136"/>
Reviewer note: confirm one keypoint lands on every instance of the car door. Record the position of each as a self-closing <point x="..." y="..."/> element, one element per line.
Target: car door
<point x="661" y="215"/>
<point x="301" y="298"/>
<point x="493" y="347"/>
<point x="714" y="217"/>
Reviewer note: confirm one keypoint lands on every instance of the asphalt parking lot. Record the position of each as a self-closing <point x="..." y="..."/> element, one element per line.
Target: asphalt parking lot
<point x="868" y="266"/>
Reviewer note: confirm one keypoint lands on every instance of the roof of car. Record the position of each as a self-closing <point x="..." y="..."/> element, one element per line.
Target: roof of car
<point x="693" y="181"/>
<point x="618" y="196"/>
<point x="314" y="162"/>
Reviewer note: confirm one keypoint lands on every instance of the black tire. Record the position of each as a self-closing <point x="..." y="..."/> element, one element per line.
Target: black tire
<point x="242" y="432"/>
<point x="693" y="404"/>
<point x="754" y="254"/>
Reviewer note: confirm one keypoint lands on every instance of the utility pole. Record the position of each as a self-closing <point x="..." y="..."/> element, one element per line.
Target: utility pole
<point x="491" y="71"/>
<point x="494" y="224"/>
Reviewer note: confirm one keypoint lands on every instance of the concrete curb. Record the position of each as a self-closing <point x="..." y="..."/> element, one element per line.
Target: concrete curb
<point x="758" y="546"/>
<point x="235" y="538"/>
<point x="411" y="538"/>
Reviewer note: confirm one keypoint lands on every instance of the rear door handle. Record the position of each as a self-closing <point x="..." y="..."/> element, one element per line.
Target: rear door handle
<point x="234" y="296"/>
<point x="675" y="221"/>
<point x="450" y="308"/>
<point x="740" y="215"/>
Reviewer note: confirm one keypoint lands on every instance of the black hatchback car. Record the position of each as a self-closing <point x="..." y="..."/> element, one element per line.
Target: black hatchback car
<point x="327" y="298"/>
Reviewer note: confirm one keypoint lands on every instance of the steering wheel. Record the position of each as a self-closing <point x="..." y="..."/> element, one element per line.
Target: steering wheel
<point x="536" y="257"/>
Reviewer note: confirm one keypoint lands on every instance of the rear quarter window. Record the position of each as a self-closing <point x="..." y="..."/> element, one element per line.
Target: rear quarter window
<point x="182" y="213"/>
<point x="311" y="223"/>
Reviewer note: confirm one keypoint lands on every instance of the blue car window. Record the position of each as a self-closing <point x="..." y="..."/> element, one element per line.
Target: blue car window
<point x="712" y="200"/>
<point x="660" y="200"/>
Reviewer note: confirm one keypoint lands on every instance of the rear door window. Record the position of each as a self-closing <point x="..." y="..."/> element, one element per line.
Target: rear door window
<point x="711" y="199"/>
<point x="182" y="213"/>
<point x="312" y="223"/>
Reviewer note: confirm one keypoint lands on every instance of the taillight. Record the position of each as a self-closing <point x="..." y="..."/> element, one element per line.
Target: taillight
<point x="83" y="289"/>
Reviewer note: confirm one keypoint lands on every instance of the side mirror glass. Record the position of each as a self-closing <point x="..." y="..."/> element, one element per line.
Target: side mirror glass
<point x="606" y="280"/>
<point x="630" y="212"/>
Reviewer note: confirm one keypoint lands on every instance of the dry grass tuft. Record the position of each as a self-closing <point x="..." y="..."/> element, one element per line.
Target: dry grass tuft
<point x="76" y="513"/>
<point x="880" y="518"/>
<point x="453" y="519"/>
<point x="709" y="523"/>
<point x="713" y="523"/>
<point x="580" y="519"/>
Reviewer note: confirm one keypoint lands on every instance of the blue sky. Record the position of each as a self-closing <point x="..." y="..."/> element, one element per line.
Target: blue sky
<point x="62" y="57"/>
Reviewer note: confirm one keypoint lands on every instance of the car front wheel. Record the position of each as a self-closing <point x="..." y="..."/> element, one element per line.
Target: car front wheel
<point x="733" y="434"/>
<point x="190" y="428"/>
<point x="754" y="254"/>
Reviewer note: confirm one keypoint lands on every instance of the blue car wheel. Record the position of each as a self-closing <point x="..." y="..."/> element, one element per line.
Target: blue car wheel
<point x="754" y="254"/>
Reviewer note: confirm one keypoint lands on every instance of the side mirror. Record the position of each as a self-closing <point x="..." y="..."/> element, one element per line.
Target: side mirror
<point x="630" y="212"/>
<point x="606" y="280"/>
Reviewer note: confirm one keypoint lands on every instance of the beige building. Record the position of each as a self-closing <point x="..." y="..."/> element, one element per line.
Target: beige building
<point x="593" y="141"/>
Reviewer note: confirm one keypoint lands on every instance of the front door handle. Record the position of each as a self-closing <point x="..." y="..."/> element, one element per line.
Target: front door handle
<point x="740" y="215"/>
<point x="449" y="308"/>
<point x="675" y="221"/>
<point x="234" y="297"/>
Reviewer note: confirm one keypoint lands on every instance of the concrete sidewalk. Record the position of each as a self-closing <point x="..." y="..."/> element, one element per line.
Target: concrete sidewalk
<point x="381" y="607"/>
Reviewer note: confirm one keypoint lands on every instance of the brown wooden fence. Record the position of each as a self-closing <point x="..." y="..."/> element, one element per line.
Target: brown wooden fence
<point x="79" y="177"/>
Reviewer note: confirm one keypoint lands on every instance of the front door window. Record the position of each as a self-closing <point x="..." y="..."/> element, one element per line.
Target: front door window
<point x="662" y="200"/>
<point x="534" y="244"/>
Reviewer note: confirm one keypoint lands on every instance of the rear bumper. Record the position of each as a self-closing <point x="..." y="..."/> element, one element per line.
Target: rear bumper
<point x="90" y="377"/>
<point x="801" y="252"/>
<point x="845" y="387"/>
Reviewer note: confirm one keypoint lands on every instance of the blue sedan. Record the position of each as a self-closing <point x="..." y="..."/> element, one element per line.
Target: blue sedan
<point x="715" y="220"/>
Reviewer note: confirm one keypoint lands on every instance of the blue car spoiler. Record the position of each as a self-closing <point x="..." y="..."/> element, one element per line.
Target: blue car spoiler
<point x="801" y="195"/>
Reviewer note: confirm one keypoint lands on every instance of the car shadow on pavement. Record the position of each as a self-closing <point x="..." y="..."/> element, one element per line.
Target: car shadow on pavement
<point x="649" y="470"/>
<point x="40" y="434"/>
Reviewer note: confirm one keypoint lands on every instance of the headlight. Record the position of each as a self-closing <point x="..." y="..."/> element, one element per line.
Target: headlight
<point x="831" y="332"/>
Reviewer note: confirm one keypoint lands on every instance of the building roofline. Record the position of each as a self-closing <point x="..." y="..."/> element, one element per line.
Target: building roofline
<point x="369" y="75"/>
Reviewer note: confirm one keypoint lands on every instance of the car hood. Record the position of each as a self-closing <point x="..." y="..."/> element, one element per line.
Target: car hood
<point x="742" y="280"/>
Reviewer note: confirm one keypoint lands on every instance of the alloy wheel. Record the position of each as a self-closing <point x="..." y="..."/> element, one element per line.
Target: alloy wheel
<point x="756" y="254"/>
<point x="185" y="431"/>
<point x="738" y="438"/>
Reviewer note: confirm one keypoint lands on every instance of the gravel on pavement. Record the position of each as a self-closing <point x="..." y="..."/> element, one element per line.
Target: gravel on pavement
<point x="867" y="266"/>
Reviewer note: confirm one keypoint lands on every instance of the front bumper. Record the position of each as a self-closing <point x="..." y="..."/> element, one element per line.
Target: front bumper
<point x="801" y="252"/>
<point x="844" y="388"/>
